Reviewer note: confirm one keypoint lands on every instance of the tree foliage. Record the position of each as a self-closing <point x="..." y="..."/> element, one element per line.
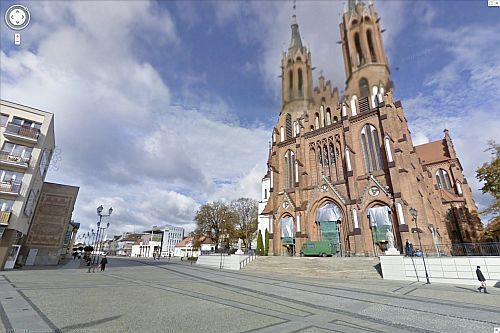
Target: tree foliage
<point x="489" y="174"/>
<point x="216" y="221"/>
<point x="225" y="223"/>
<point x="246" y="210"/>
<point x="266" y="248"/>
<point x="260" y="244"/>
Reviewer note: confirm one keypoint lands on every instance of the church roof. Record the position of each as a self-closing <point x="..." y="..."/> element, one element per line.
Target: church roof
<point x="433" y="152"/>
<point x="296" y="42"/>
<point x="268" y="209"/>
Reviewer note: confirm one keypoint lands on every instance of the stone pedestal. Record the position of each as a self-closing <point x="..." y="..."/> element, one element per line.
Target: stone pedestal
<point x="392" y="252"/>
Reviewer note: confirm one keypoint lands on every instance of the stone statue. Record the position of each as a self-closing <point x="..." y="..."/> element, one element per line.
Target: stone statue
<point x="240" y="241"/>
<point x="390" y="239"/>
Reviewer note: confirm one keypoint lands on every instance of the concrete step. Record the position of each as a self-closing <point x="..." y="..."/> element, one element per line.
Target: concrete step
<point x="352" y="267"/>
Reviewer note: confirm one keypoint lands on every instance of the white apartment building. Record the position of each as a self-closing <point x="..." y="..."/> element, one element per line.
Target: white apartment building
<point x="26" y="146"/>
<point x="172" y="236"/>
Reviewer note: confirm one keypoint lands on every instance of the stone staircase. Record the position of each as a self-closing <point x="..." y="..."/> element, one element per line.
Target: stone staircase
<point x="335" y="267"/>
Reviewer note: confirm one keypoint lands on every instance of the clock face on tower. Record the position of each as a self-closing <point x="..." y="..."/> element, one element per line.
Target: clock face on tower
<point x="374" y="191"/>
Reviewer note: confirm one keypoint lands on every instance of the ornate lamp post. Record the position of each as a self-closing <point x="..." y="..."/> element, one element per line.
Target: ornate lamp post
<point x="99" y="235"/>
<point x="414" y="214"/>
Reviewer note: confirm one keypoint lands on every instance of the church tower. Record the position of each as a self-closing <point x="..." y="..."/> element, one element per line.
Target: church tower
<point x="296" y="71"/>
<point x="366" y="66"/>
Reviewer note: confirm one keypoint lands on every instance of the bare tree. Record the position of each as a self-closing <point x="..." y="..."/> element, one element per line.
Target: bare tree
<point x="246" y="210"/>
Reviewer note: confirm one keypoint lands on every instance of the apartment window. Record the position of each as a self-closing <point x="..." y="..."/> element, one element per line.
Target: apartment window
<point x="6" y="205"/>
<point x="12" y="149"/>
<point x="26" y="123"/>
<point x="7" y="176"/>
<point x="3" y="119"/>
<point x="44" y="163"/>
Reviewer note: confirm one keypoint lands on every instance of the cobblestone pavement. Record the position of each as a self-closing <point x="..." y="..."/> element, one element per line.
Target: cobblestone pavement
<point x="135" y="295"/>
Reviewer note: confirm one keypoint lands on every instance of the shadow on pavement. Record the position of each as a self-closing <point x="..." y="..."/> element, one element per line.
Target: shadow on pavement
<point x="474" y="290"/>
<point x="113" y="262"/>
<point x="89" y="324"/>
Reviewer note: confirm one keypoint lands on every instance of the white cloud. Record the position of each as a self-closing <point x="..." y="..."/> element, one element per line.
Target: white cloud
<point x="122" y="139"/>
<point x="464" y="95"/>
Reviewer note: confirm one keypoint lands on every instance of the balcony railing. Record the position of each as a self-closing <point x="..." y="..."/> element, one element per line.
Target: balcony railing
<point x="464" y="249"/>
<point x="24" y="131"/>
<point x="5" y="217"/>
<point x="6" y="156"/>
<point x="10" y="187"/>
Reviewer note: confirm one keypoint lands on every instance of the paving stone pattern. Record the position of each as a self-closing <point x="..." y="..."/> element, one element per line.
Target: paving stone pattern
<point x="141" y="295"/>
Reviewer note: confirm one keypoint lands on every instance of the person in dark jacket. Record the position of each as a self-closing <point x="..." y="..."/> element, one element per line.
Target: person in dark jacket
<point x="481" y="279"/>
<point x="409" y="248"/>
<point x="104" y="262"/>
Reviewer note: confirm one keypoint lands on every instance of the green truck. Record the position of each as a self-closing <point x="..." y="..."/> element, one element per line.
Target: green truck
<point x="318" y="248"/>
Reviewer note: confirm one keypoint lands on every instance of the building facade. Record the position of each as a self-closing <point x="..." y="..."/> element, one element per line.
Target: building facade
<point x="172" y="236"/>
<point x="26" y="146"/>
<point x="52" y="232"/>
<point x="343" y="168"/>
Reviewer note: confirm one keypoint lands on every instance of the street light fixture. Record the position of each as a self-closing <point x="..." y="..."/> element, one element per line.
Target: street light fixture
<point x="414" y="214"/>
<point x="99" y="236"/>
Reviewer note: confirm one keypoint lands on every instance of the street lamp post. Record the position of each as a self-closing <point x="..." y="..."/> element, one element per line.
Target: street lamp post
<point x="100" y="232"/>
<point x="414" y="214"/>
<point x="151" y="246"/>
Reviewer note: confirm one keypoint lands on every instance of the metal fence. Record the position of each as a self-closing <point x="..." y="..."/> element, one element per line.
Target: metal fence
<point x="463" y="249"/>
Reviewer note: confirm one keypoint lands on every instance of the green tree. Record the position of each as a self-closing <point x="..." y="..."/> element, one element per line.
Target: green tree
<point x="246" y="210"/>
<point x="216" y="220"/>
<point x="489" y="174"/>
<point x="260" y="245"/>
<point x="266" y="248"/>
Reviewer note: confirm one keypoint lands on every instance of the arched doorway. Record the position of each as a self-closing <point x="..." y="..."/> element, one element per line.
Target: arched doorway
<point x="287" y="235"/>
<point x="381" y="226"/>
<point x="329" y="218"/>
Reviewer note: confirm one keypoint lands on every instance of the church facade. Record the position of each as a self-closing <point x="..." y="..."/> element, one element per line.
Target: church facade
<point x="344" y="168"/>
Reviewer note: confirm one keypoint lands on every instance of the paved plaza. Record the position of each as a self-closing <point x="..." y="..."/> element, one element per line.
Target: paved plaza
<point x="159" y="296"/>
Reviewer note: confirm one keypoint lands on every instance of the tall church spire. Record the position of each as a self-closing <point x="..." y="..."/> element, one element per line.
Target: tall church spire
<point x="296" y="42"/>
<point x="366" y="65"/>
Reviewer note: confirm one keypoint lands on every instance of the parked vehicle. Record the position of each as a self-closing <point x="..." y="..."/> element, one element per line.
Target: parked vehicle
<point x="318" y="248"/>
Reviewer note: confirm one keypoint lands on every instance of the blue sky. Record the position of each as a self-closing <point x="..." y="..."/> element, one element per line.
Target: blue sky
<point x="162" y="106"/>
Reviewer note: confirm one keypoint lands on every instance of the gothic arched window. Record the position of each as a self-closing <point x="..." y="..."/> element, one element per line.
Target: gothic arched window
<point x="328" y="116"/>
<point x="288" y="124"/>
<point x="320" y="157"/>
<point x="290" y="77"/>
<point x="364" y="90"/>
<point x="332" y="154"/>
<point x="370" y="46"/>
<point x="371" y="148"/>
<point x="316" y="121"/>
<point x="325" y="155"/>
<point x="289" y="180"/>
<point x="359" y="53"/>
<point x="443" y="180"/>
<point x="300" y="82"/>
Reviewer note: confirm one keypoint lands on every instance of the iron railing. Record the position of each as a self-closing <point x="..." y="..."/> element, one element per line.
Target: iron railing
<point x="25" y="131"/>
<point x="5" y="217"/>
<point x="10" y="187"/>
<point x="463" y="249"/>
<point x="13" y="158"/>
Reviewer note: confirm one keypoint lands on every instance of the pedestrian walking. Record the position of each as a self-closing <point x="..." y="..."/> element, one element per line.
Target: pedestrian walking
<point x="74" y="255"/>
<point x="104" y="262"/>
<point x="481" y="279"/>
<point x="409" y="248"/>
<point x="169" y="256"/>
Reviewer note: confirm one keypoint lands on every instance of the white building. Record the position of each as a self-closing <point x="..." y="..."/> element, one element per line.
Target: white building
<point x="264" y="219"/>
<point x="145" y="249"/>
<point x="185" y="248"/>
<point x="172" y="236"/>
<point x="26" y="146"/>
